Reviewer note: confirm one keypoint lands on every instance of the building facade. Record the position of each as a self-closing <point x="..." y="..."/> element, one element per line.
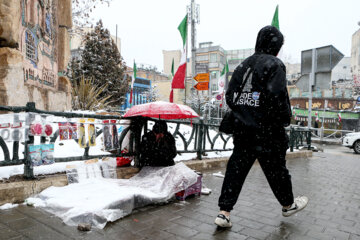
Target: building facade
<point x="355" y="60"/>
<point x="34" y="53"/>
<point x="141" y="85"/>
<point x="161" y="82"/>
<point x="210" y="59"/>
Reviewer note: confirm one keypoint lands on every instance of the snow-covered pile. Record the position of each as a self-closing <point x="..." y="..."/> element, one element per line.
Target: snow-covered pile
<point x="100" y="200"/>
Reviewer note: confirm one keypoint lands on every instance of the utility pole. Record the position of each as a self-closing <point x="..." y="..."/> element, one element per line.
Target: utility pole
<point x="193" y="38"/>
<point x="193" y="19"/>
<point x="311" y="84"/>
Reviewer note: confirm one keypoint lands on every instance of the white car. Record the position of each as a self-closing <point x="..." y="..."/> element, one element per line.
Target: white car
<point x="352" y="140"/>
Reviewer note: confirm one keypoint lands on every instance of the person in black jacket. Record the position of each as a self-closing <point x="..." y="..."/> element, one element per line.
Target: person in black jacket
<point x="258" y="97"/>
<point x="157" y="147"/>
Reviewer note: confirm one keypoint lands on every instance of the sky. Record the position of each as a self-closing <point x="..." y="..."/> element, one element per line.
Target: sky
<point x="146" y="27"/>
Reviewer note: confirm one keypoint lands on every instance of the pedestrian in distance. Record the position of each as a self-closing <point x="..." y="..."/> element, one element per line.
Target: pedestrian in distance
<point x="258" y="98"/>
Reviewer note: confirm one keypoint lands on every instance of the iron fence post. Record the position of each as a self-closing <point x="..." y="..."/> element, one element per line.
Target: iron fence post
<point x="200" y="139"/>
<point x="308" y="140"/>
<point x="28" y="168"/>
<point x="291" y="140"/>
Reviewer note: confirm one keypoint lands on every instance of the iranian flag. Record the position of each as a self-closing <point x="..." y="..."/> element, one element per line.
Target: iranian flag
<point x="132" y="82"/>
<point x="221" y="82"/>
<point x="178" y="81"/>
<point x="339" y="117"/>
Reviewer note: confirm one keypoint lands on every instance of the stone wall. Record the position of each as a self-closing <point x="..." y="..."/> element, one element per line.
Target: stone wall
<point x="34" y="53"/>
<point x="9" y="23"/>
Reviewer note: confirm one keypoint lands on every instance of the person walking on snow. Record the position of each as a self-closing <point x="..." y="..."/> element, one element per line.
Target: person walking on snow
<point x="258" y="97"/>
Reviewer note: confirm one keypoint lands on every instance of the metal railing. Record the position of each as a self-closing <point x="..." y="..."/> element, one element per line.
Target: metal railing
<point x="196" y="142"/>
<point x="200" y="138"/>
<point x="298" y="136"/>
<point x="324" y="134"/>
<point x="329" y="134"/>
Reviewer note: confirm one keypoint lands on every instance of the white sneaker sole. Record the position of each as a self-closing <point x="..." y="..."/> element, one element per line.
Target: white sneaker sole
<point x="288" y="214"/>
<point x="221" y="223"/>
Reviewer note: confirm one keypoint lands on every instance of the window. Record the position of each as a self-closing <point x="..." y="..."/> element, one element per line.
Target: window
<point x="202" y="58"/>
<point x="214" y="87"/>
<point x="213" y="57"/>
<point x="30" y="47"/>
<point x="214" y="75"/>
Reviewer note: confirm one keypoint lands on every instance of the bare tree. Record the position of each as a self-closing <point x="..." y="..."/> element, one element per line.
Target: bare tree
<point x="81" y="13"/>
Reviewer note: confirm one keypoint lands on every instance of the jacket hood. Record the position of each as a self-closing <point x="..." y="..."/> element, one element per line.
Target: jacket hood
<point x="160" y="127"/>
<point x="269" y="41"/>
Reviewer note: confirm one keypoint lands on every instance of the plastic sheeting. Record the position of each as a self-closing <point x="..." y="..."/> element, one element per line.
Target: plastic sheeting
<point x="100" y="200"/>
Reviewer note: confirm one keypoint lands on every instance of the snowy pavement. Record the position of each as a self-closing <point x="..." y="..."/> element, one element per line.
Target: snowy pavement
<point x="330" y="179"/>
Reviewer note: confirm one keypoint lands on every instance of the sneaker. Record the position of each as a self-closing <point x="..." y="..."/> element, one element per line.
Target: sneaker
<point x="223" y="221"/>
<point x="298" y="205"/>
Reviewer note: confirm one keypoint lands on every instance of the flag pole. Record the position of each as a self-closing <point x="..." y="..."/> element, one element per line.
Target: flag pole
<point x="186" y="61"/>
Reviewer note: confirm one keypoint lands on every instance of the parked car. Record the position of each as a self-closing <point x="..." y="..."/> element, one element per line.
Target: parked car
<point x="352" y="140"/>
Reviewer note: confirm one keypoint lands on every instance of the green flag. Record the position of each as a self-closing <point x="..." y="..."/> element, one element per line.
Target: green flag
<point x="275" y="20"/>
<point x="172" y="68"/>
<point x="134" y="72"/>
<point x="225" y="69"/>
<point x="183" y="29"/>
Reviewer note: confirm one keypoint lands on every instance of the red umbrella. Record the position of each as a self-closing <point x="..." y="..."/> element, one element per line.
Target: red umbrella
<point x="162" y="110"/>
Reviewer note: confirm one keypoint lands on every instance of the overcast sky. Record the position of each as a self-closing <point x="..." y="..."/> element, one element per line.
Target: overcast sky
<point x="146" y="27"/>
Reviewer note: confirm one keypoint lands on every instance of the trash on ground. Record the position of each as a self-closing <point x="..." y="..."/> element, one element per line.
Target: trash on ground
<point x="205" y="191"/>
<point x="218" y="174"/>
<point x="84" y="227"/>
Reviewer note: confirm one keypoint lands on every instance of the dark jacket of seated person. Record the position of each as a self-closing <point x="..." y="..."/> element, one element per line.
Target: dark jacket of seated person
<point x="157" y="147"/>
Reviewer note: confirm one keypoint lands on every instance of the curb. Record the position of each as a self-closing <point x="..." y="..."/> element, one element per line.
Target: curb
<point x="326" y="142"/>
<point x="17" y="192"/>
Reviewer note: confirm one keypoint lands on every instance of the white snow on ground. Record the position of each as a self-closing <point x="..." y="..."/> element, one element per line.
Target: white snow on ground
<point x="8" y="206"/>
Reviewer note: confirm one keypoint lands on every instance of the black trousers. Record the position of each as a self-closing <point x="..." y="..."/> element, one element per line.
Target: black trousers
<point x="270" y="153"/>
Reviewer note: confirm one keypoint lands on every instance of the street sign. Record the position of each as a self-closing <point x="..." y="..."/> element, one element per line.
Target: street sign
<point x="218" y="97"/>
<point x="201" y="86"/>
<point x="202" y="77"/>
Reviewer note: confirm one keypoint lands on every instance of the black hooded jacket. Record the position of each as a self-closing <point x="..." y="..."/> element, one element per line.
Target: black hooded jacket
<point x="159" y="152"/>
<point x="263" y="104"/>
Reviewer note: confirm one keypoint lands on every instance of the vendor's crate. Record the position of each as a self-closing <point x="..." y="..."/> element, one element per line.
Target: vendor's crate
<point x="194" y="189"/>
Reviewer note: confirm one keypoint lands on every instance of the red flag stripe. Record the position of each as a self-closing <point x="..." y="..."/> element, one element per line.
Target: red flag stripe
<point x="131" y="95"/>
<point x="171" y="96"/>
<point x="179" y="78"/>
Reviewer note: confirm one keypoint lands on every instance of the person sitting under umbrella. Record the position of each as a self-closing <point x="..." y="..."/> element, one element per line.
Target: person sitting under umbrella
<point x="157" y="147"/>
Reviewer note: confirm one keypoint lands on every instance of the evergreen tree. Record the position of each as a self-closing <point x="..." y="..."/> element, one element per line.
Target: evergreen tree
<point x="101" y="62"/>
